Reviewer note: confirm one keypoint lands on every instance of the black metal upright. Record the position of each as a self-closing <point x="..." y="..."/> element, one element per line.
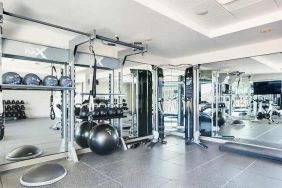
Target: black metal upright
<point x="144" y="92"/>
<point x="161" y="127"/>
<point x="189" y="119"/>
<point x="191" y="122"/>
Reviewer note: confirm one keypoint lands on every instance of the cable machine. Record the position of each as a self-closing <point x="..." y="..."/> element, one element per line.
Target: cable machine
<point x="69" y="58"/>
<point x="192" y="132"/>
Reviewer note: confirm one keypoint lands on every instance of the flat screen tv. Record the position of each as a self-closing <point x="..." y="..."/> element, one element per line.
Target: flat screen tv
<point x="268" y="87"/>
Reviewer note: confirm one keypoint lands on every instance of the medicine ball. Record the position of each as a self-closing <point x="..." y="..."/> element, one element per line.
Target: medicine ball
<point x="11" y="78"/>
<point x="82" y="133"/>
<point x="31" y="79"/>
<point x="2" y="130"/>
<point x="103" y="139"/>
<point x="65" y="81"/>
<point x="50" y="81"/>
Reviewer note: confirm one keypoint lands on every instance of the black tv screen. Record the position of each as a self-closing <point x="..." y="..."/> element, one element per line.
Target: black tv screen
<point x="269" y="87"/>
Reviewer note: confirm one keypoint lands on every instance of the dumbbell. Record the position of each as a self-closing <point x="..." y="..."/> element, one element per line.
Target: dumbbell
<point x="119" y="111"/>
<point x="112" y="111"/>
<point x="22" y="107"/>
<point x="103" y="111"/>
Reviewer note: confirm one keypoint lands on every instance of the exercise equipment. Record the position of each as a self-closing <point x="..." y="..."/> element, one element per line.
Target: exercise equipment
<point x="142" y="110"/>
<point x="44" y="174"/>
<point x="65" y="81"/>
<point x="103" y="139"/>
<point x="2" y="130"/>
<point x="31" y="79"/>
<point x="23" y="153"/>
<point x="221" y="119"/>
<point x="11" y="78"/>
<point x="50" y="81"/>
<point x="191" y="122"/>
<point x="82" y="133"/>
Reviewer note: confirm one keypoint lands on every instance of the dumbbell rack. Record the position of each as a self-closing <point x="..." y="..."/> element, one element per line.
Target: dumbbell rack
<point x="16" y="111"/>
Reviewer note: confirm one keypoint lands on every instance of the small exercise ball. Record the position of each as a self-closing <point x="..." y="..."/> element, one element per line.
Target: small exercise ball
<point x="31" y="79"/>
<point x="103" y="139"/>
<point x="50" y="81"/>
<point x="82" y="133"/>
<point x="11" y="78"/>
<point x="65" y="81"/>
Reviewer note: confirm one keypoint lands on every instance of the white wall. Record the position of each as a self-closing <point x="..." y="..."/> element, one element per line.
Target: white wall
<point x="37" y="103"/>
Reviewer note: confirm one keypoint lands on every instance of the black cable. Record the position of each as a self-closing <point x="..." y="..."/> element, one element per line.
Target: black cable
<point x="52" y="111"/>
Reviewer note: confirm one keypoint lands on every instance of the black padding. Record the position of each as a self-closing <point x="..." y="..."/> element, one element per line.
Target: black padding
<point x="251" y="150"/>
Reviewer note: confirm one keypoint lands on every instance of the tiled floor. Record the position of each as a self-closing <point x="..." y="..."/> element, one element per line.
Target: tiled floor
<point x="165" y="166"/>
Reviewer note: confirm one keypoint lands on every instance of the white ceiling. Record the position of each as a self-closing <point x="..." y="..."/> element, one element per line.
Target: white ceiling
<point x="172" y="25"/>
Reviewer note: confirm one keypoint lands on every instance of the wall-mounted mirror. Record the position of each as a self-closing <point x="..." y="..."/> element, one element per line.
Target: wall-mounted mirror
<point x="241" y="99"/>
<point x="29" y="130"/>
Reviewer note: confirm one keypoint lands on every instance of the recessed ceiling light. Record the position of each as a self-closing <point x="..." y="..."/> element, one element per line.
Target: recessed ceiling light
<point x="266" y="30"/>
<point x="202" y="12"/>
<point x="224" y="2"/>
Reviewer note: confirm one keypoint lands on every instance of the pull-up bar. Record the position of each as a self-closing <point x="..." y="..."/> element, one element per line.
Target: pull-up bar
<point x="74" y="31"/>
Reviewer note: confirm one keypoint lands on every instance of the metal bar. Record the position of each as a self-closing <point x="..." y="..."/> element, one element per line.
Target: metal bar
<point x="100" y="37"/>
<point x="44" y="23"/>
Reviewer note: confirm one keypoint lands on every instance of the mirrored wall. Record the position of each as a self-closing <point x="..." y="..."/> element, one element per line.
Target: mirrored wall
<point x="241" y="99"/>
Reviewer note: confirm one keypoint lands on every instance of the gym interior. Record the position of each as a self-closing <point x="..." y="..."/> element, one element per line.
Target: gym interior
<point x="141" y="93"/>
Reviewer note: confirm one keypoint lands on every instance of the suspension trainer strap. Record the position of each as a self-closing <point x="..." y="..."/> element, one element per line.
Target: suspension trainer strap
<point x="52" y="111"/>
<point x="94" y="78"/>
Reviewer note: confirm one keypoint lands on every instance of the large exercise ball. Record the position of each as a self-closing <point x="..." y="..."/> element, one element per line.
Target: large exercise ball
<point x="50" y="81"/>
<point x="31" y="79"/>
<point x="103" y="139"/>
<point x="65" y="81"/>
<point x="11" y="78"/>
<point x="82" y="133"/>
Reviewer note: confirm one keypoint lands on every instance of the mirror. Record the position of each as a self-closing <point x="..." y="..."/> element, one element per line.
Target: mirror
<point x="29" y="131"/>
<point x="241" y="98"/>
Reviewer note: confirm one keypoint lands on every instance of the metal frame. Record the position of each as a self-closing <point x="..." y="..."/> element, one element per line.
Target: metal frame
<point x="70" y="57"/>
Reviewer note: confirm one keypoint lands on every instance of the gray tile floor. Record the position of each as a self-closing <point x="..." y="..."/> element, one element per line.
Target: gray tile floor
<point x="174" y="165"/>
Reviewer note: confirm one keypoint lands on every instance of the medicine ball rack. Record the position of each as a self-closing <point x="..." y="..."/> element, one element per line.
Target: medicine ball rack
<point x="69" y="58"/>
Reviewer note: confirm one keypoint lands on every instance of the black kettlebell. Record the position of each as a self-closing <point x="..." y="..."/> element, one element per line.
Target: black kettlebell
<point x="119" y="111"/>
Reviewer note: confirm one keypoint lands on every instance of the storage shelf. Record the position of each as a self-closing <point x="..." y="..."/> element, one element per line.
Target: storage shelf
<point x="34" y="87"/>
